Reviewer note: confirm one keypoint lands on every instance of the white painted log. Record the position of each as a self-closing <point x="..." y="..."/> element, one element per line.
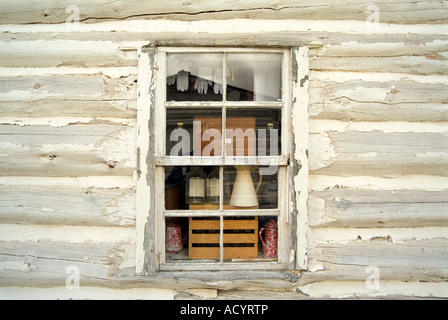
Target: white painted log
<point x="407" y="143"/>
<point x="101" y="182"/>
<point x="74" y="150"/>
<point x="419" y="259"/>
<point x="380" y="154"/>
<point x="97" y="86"/>
<point x="67" y="205"/>
<point x="431" y="49"/>
<point x="46" y="12"/>
<point x="406" y="208"/>
<point x="52" y="261"/>
<point x="85" y="293"/>
<point x="345" y="109"/>
<point x="314" y="34"/>
<point x="389" y="93"/>
<point x="388" y="289"/>
<point x="412" y="182"/>
<point x="69" y="109"/>
<point x="66" y="53"/>
<point x="70" y="234"/>
<point x="430" y="64"/>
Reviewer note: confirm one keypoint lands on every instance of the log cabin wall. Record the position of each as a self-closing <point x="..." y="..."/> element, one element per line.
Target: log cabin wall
<point x="378" y="144"/>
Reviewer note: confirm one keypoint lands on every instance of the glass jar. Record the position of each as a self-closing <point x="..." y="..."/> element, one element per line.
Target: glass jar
<point x="213" y="186"/>
<point x="195" y="186"/>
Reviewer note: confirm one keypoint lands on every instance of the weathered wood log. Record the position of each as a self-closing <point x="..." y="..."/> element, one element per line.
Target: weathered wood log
<point x="431" y="49"/>
<point x="66" y="53"/>
<point x="68" y="86"/>
<point x="66" y="205"/>
<point x="37" y="263"/>
<point x="73" y="150"/>
<point x="128" y="38"/>
<point x="422" y="259"/>
<point x="377" y="153"/>
<point x="68" y="109"/>
<point x="391" y="92"/>
<point x="345" y="109"/>
<point x="431" y="64"/>
<point x="45" y="12"/>
<point x="362" y="208"/>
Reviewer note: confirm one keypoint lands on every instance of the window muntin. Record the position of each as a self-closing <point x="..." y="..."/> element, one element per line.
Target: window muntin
<point x="264" y="112"/>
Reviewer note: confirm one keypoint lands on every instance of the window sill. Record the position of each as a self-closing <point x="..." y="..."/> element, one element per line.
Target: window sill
<point x="222" y="280"/>
<point x="224" y="266"/>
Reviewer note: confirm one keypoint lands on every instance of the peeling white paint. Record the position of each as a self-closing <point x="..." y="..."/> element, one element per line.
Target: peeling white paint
<point x="235" y="26"/>
<point x="429" y="183"/>
<point x="13" y="266"/>
<point x="380" y="77"/>
<point x="316" y="211"/>
<point x="106" y="182"/>
<point x="111" y="72"/>
<point x="119" y="146"/>
<point x="396" y="235"/>
<point x="321" y="151"/>
<point x="59" y="122"/>
<point x="321" y="126"/>
<point x="70" y="234"/>
<point x="353" y="289"/>
<point x="370" y="156"/>
<point x="85" y="293"/>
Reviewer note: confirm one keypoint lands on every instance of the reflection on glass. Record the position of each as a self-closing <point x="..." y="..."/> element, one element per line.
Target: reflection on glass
<point x="193" y="132"/>
<point x="194" y="77"/>
<point x="253" y="77"/>
<point x="253" y="132"/>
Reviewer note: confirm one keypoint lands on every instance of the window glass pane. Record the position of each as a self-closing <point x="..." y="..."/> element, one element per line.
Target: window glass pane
<point x="240" y="237"/>
<point x="250" y="187"/>
<point x="194" y="77"/>
<point x="192" y="188"/>
<point x="253" y="132"/>
<point x="268" y="237"/>
<point x="203" y="238"/>
<point x="254" y="77"/>
<point x="192" y="239"/>
<point x="193" y="132"/>
<point x="197" y="239"/>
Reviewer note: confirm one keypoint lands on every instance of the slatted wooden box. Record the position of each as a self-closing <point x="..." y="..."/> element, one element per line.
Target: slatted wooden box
<point x="240" y="238"/>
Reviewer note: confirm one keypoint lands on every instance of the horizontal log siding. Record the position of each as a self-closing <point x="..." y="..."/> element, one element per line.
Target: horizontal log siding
<point x="378" y="106"/>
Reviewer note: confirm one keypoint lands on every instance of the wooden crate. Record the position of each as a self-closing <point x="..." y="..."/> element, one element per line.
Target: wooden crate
<point x="240" y="238"/>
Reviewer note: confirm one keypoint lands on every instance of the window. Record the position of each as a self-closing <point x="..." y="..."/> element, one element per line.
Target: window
<point x="218" y="174"/>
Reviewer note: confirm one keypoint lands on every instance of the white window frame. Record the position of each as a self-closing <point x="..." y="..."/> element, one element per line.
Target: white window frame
<point x="292" y="173"/>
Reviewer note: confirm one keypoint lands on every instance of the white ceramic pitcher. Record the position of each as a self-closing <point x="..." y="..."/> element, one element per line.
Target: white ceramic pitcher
<point x="244" y="193"/>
